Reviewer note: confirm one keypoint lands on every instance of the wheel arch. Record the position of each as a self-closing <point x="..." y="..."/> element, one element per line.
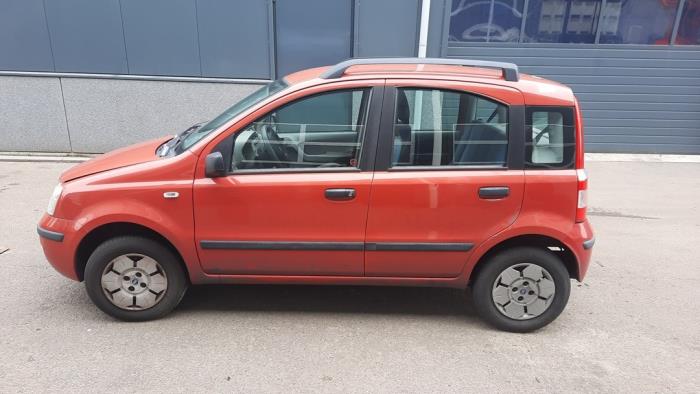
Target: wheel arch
<point x="102" y="233"/>
<point x="553" y="245"/>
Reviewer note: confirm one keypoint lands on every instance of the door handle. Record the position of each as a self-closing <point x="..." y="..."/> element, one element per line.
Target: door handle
<point x="494" y="192"/>
<point x="340" y="194"/>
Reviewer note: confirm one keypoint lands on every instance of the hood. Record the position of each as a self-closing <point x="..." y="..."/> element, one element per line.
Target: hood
<point x="130" y="155"/>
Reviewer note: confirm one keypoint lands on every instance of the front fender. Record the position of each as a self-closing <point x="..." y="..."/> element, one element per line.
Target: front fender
<point x="172" y="219"/>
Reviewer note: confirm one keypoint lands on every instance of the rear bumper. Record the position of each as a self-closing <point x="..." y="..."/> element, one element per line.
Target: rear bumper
<point x="59" y="243"/>
<point x="582" y="241"/>
<point x="51" y="235"/>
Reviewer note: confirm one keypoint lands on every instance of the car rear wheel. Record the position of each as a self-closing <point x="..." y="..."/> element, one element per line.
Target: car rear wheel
<point x="521" y="289"/>
<point x="134" y="278"/>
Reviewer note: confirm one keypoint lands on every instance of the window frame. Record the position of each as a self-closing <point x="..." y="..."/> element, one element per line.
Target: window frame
<point x="567" y="114"/>
<point x="367" y="143"/>
<point x="515" y="131"/>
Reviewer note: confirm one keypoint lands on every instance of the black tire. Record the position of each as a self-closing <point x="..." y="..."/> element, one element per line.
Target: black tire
<point x="483" y="286"/>
<point x="115" y="247"/>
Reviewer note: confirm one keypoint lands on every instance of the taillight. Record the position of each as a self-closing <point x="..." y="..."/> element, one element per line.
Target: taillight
<point x="582" y="201"/>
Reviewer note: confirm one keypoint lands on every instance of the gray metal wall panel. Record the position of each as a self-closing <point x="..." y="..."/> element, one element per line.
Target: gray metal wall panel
<point x="233" y="38"/>
<point x="87" y="36"/>
<point x="601" y="114"/>
<point x="645" y="97"/>
<point x="553" y="69"/>
<point x="32" y="116"/>
<point x="104" y="114"/>
<point x="648" y="139"/>
<point x="616" y="63"/>
<point x="688" y="124"/>
<point x="388" y="28"/>
<point x="24" y="37"/>
<point x="633" y="98"/>
<point x="161" y="37"/>
<point x="629" y="80"/>
<point x="437" y="27"/>
<point x="658" y="108"/>
<point x="312" y="33"/>
<point x="634" y="89"/>
<point x="629" y="147"/>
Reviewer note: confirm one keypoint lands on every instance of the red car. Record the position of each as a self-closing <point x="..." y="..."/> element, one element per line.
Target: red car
<point x="410" y="172"/>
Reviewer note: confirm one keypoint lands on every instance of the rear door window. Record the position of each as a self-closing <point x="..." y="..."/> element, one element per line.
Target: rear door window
<point x="434" y="127"/>
<point x="549" y="138"/>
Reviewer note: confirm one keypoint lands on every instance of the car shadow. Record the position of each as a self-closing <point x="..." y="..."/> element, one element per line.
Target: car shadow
<point x="330" y="299"/>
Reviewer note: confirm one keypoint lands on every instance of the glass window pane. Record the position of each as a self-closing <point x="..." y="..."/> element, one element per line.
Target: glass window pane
<point x="486" y="21"/>
<point x="445" y="128"/>
<point x="562" y="21"/>
<point x="637" y="22"/>
<point x="320" y="131"/>
<point x="550" y="144"/>
<point x="689" y="26"/>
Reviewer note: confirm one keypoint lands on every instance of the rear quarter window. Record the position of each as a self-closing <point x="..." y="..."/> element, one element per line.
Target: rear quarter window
<point x="549" y="137"/>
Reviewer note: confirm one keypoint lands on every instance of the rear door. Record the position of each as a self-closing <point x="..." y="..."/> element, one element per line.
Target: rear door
<point x="448" y="175"/>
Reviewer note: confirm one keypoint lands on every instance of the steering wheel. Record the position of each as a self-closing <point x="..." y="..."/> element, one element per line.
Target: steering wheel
<point x="271" y="144"/>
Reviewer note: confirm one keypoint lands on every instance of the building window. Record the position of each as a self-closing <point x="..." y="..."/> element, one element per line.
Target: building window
<point x="637" y="22"/>
<point x="689" y="26"/>
<point x="562" y="21"/>
<point x="486" y="21"/>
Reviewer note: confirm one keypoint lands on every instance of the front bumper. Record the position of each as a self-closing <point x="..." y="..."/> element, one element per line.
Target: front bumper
<point x="59" y="243"/>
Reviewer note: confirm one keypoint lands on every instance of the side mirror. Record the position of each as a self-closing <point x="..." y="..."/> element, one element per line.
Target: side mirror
<point x="214" y="165"/>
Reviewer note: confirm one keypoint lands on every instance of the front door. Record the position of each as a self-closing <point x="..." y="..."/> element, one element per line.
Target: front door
<point x="442" y="183"/>
<point x="295" y="201"/>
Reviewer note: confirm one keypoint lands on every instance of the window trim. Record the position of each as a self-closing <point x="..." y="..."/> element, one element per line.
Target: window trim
<point x="514" y="131"/>
<point x="367" y="153"/>
<point x="567" y="114"/>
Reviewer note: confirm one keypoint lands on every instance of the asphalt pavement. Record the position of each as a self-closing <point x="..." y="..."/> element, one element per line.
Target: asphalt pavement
<point x="632" y="326"/>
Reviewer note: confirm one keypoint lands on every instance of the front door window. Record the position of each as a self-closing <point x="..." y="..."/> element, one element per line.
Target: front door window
<point x="321" y="131"/>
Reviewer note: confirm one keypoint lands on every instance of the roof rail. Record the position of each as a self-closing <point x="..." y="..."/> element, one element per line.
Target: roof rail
<point x="509" y="70"/>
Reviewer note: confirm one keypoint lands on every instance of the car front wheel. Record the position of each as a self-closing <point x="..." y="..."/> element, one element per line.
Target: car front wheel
<point x="521" y="289"/>
<point x="135" y="278"/>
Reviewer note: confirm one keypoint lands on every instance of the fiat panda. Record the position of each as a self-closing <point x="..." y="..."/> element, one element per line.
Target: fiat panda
<point x="401" y="171"/>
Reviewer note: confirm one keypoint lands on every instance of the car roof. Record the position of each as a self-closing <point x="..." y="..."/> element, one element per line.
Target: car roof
<point x="536" y="90"/>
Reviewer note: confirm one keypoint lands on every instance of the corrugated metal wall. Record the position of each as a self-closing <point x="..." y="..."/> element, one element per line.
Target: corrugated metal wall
<point x="200" y="38"/>
<point x="641" y="99"/>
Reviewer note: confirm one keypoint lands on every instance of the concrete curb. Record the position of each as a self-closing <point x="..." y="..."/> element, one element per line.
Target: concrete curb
<point x="44" y="157"/>
<point x="593" y="157"/>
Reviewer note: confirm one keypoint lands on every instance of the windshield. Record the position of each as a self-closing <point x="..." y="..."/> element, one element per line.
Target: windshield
<point x="255" y="97"/>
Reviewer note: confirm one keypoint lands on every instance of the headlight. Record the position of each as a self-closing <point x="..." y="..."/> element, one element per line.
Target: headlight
<point x="54" y="199"/>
